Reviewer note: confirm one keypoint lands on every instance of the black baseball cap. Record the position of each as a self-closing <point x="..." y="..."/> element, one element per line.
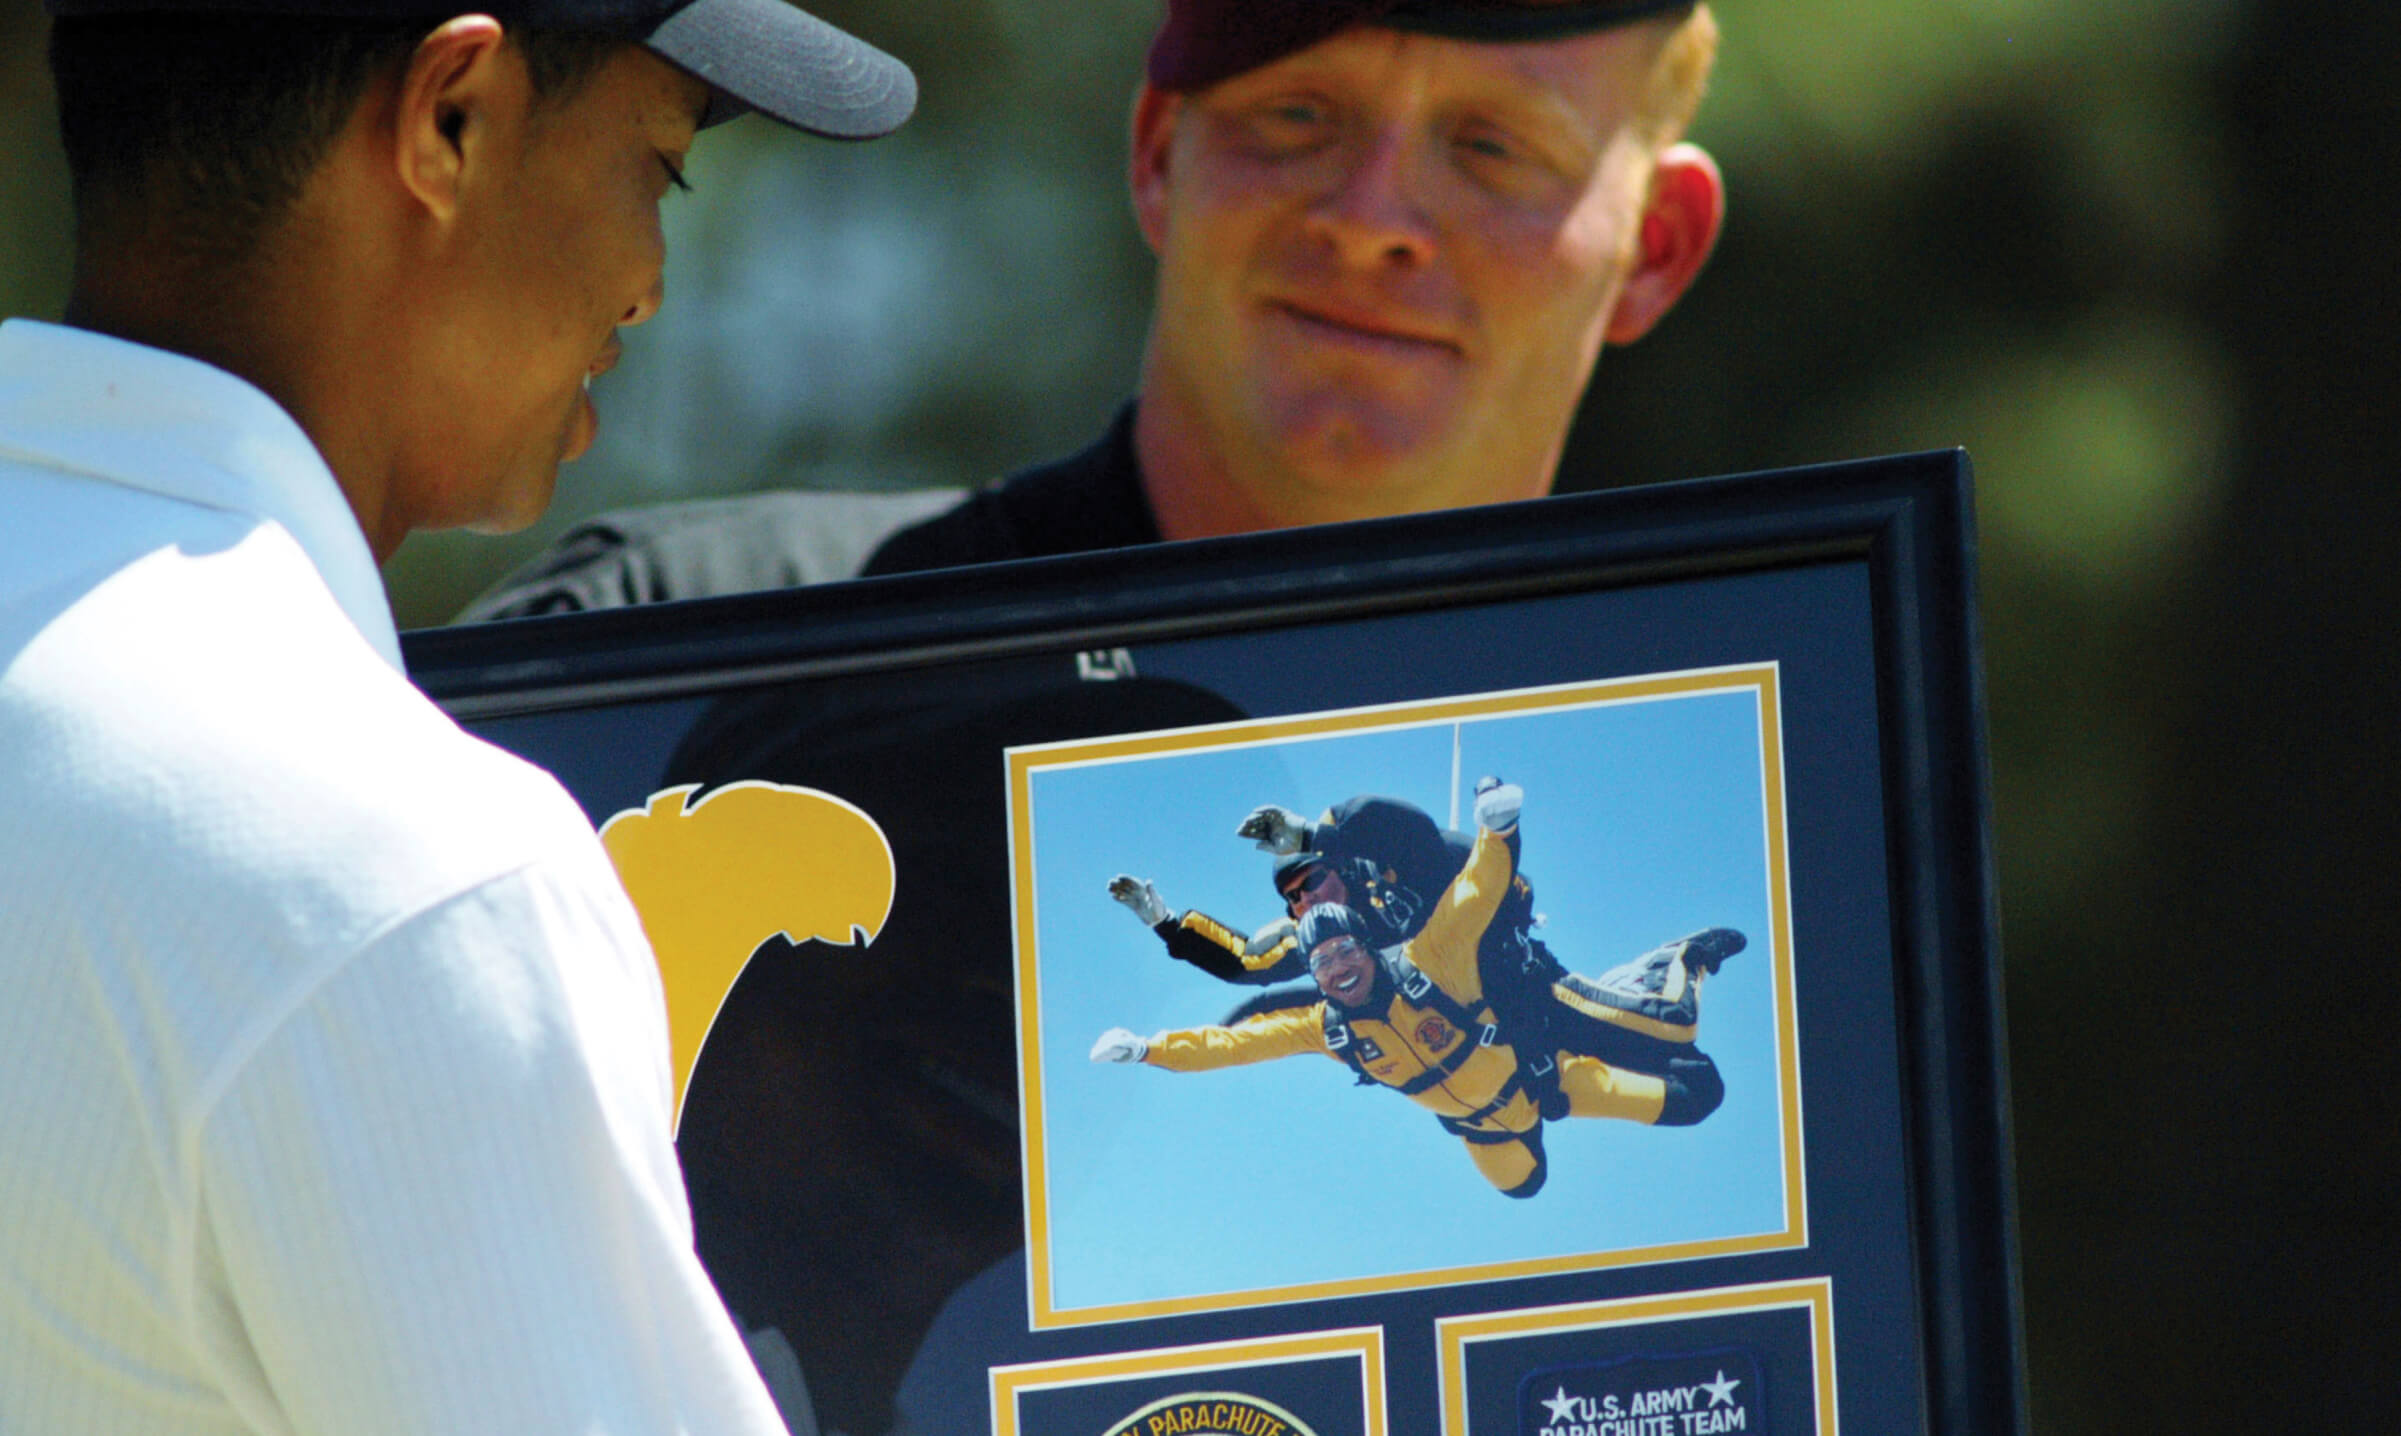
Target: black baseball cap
<point x="761" y="55"/>
<point x="1205" y="41"/>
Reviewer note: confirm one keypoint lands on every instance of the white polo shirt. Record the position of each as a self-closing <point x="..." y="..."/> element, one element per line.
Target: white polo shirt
<point x="333" y="1064"/>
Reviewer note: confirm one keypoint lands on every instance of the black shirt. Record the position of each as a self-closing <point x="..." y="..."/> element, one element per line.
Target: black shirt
<point x="706" y="548"/>
<point x="1091" y="499"/>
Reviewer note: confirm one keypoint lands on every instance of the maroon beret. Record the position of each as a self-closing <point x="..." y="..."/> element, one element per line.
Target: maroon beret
<point x="1204" y="41"/>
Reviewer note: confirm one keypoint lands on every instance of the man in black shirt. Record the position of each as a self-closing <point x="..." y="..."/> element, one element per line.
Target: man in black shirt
<point x="1393" y="237"/>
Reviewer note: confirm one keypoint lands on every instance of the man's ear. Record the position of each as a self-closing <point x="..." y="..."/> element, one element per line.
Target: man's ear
<point x="1679" y="227"/>
<point x="449" y="92"/>
<point x="1155" y="113"/>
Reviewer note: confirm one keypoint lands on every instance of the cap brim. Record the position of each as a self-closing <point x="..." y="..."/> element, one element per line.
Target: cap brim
<point x="787" y="64"/>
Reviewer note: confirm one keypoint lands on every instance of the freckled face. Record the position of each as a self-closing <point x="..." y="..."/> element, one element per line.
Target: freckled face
<point x="565" y="249"/>
<point x="1387" y="261"/>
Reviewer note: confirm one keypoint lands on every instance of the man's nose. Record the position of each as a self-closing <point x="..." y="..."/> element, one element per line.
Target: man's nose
<point x="649" y="303"/>
<point x="1372" y="214"/>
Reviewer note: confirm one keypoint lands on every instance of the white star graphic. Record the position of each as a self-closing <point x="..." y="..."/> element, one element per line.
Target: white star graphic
<point x="1563" y="1406"/>
<point x="1721" y="1391"/>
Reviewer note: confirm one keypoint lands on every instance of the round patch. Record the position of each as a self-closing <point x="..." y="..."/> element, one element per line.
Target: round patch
<point x="1211" y="1413"/>
<point x="1433" y="1034"/>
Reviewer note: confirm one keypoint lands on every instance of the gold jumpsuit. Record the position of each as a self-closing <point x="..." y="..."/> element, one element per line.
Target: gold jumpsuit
<point x="1446" y="1053"/>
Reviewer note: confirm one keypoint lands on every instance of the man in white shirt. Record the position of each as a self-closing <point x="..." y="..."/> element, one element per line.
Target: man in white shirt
<point x="334" y="1061"/>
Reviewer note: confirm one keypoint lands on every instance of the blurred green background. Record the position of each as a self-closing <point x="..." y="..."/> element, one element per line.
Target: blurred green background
<point x="2134" y="257"/>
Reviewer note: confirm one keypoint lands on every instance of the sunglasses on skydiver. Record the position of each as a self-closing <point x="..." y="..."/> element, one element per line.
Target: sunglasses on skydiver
<point x="1312" y="880"/>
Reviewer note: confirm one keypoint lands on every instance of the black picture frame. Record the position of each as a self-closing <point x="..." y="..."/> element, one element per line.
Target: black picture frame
<point x="1854" y="583"/>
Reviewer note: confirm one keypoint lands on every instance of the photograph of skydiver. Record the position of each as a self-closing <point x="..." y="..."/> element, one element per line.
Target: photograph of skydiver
<point x="1383" y="858"/>
<point x="1417" y="1019"/>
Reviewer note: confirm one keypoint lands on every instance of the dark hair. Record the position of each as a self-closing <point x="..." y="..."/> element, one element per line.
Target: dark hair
<point x="201" y="130"/>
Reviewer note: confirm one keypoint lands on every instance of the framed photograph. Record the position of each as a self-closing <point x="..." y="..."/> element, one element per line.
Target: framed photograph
<point x="1521" y="970"/>
<point x="1123" y="1176"/>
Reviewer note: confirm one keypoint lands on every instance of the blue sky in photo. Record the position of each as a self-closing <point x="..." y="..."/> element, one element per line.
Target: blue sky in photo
<point x="1643" y="821"/>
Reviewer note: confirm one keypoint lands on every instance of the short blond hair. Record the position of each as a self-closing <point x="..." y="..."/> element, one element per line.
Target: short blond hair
<point x="1679" y="77"/>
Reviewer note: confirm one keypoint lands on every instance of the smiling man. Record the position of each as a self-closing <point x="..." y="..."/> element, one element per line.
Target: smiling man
<point x="335" y="1058"/>
<point x="1393" y="238"/>
<point x="1389" y="258"/>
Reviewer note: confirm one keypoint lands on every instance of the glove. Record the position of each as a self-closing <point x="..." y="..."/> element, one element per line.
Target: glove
<point x="1275" y="830"/>
<point x="1119" y="1045"/>
<point x="1268" y="938"/>
<point x="1497" y="804"/>
<point x="1140" y="897"/>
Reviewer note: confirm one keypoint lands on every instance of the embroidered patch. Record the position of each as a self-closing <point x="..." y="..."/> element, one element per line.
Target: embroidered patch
<point x="1700" y="1394"/>
<point x="1211" y="1413"/>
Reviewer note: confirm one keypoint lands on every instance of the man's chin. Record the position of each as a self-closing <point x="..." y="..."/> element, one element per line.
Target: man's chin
<point x="583" y="427"/>
<point x="521" y="501"/>
<point x="1349" y="447"/>
<point x="1355" y="440"/>
<point x="1363" y="465"/>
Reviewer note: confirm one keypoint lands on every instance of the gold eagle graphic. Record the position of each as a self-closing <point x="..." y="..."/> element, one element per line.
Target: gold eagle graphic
<point x="714" y="877"/>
